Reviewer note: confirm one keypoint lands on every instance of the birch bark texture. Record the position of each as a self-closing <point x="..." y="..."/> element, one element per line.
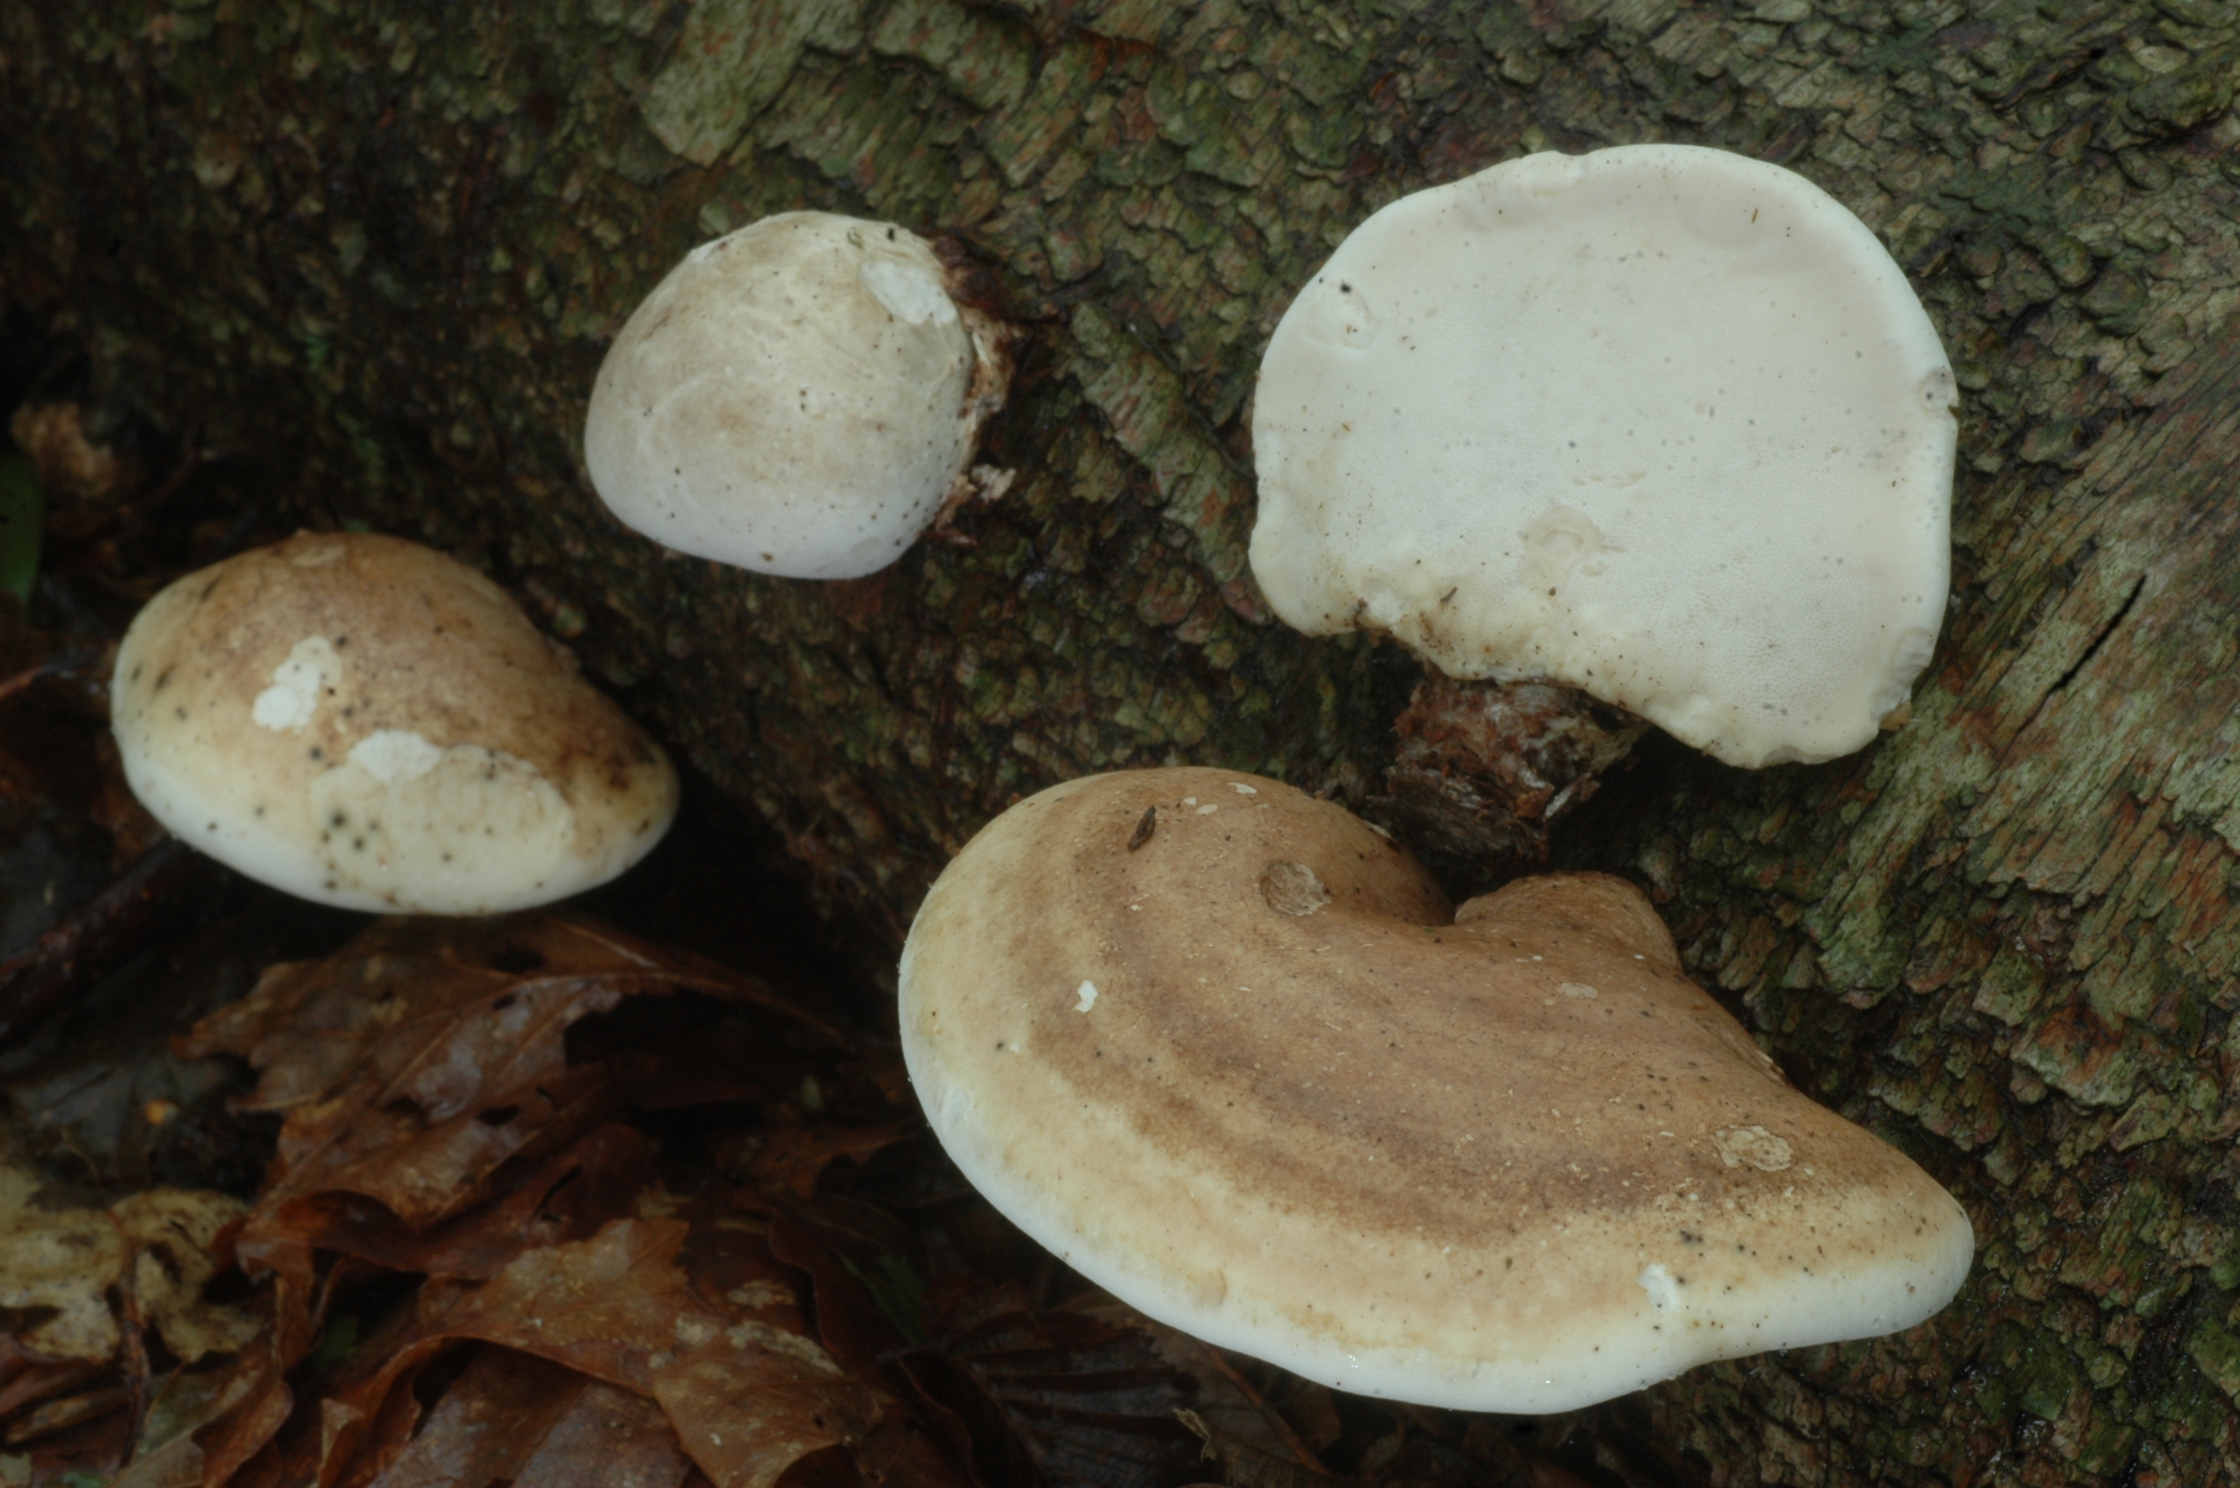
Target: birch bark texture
<point x="382" y="247"/>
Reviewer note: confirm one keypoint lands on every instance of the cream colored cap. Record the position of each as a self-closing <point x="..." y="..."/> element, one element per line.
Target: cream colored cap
<point x="797" y="398"/>
<point x="365" y="722"/>
<point x="1241" y="1068"/>
<point x="1659" y="422"/>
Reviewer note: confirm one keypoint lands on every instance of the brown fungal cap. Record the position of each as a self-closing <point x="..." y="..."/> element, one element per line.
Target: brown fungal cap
<point x="365" y="722"/>
<point x="1253" y="1078"/>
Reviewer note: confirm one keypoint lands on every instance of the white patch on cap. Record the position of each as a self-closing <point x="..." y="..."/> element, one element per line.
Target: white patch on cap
<point x="1087" y="992"/>
<point x="292" y="697"/>
<point x="908" y="291"/>
<point x="403" y="819"/>
<point x="1576" y="989"/>
<point x="1753" y="1147"/>
<point x="1664" y="1292"/>
<point x="393" y="756"/>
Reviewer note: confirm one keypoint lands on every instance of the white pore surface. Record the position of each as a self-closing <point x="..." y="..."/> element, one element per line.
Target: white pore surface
<point x="792" y="399"/>
<point x="1659" y="422"/>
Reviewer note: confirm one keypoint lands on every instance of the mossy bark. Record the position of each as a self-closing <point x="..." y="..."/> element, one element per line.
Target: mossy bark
<point x="385" y="244"/>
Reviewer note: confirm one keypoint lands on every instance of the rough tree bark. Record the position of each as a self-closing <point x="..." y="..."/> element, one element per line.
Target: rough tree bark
<point x="384" y="244"/>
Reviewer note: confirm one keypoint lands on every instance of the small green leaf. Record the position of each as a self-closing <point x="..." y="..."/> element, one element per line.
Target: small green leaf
<point x="22" y="509"/>
<point x="898" y="1289"/>
<point x="335" y="1345"/>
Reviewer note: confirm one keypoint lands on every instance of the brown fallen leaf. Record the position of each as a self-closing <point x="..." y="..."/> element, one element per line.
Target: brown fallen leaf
<point x="83" y="1285"/>
<point x="1052" y="1397"/>
<point x="1237" y="1426"/>
<point x="457" y="1102"/>
<point x="513" y="1418"/>
<point x="793" y="1158"/>
<point x="566" y="1197"/>
<point x="425" y="1054"/>
<point x="419" y="1069"/>
<point x="746" y="1396"/>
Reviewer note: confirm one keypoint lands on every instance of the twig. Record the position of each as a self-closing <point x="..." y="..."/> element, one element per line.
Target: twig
<point x="95" y="938"/>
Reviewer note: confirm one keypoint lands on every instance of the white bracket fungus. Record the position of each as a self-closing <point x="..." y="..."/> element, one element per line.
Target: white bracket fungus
<point x="364" y="722"/>
<point x="1662" y="423"/>
<point x="801" y="397"/>
<point x="1507" y="1159"/>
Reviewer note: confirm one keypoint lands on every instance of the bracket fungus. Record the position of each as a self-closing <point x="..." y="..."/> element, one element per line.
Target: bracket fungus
<point x="802" y="397"/>
<point x="1252" y="1077"/>
<point x="364" y="722"/>
<point x="1661" y="423"/>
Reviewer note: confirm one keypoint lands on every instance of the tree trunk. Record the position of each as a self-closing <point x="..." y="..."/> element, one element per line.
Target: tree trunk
<point x="382" y="247"/>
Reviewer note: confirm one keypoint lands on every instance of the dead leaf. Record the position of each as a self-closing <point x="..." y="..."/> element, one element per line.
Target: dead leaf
<point x="422" y="1068"/>
<point x="444" y="1119"/>
<point x="1239" y="1426"/>
<point x="567" y="1197"/>
<point x="64" y="1265"/>
<point x="509" y="1414"/>
<point x="1053" y="1397"/>
<point x="793" y="1158"/>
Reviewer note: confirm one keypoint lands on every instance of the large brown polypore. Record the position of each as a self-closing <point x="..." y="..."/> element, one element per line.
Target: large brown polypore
<point x="1222" y="1048"/>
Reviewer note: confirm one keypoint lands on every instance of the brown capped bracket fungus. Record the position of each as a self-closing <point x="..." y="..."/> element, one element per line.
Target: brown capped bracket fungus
<point x="365" y="722"/>
<point x="1659" y="423"/>
<point x="802" y="397"/>
<point x="1246" y="1071"/>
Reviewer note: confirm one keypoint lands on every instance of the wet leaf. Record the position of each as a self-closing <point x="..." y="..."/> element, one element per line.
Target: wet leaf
<point x="793" y="1158"/>
<point x="1053" y="1397"/>
<point x="62" y="1266"/>
<point x="511" y="1418"/>
<point x="421" y="1069"/>
<point x="425" y="1054"/>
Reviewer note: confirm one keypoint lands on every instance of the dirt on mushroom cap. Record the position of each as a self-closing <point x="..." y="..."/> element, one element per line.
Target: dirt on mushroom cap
<point x="1514" y="1161"/>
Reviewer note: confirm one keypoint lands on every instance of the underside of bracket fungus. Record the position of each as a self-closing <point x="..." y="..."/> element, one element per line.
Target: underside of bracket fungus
<point x="802" y="397"/>
<point x="1662" y="423"/>
<point x="364" y="722"/>
<point x="1222" y="1048"/>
